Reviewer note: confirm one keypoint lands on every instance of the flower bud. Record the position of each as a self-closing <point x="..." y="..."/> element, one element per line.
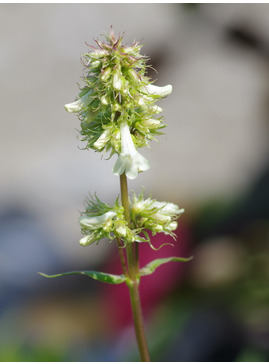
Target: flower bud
<point x="152" y="123"/>
<point x="172" y="225"/>
<point x="117" y="82"/>
<point x="104" y="100"/>
<point x="161" y="218"/>
<point x="96" y="64"/>
<point x="103" y="139"/>
<point x="133" y="75"/>
<point x="99" y="53"/>
<point x="105" y="74"/>
<point x="87" y="240"/>
<point x="155" y="109"/>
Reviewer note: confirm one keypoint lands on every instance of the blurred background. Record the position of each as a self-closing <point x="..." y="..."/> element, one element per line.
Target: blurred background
<point x="213" y="161"/>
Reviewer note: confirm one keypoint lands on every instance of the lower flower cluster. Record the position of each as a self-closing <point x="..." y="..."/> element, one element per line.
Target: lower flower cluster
<point x="158" y="217"/>
<point x="101" y="220"/>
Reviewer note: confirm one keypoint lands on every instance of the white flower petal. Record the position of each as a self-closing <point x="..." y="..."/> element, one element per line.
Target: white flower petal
<point x="161" y="218"/>
<point x="79" y="104"/>
<point x="89" y="222"/>
<point x="127" y="144"/>
<point x="158" y="91"/>
<point x="121" y="165"/>
<point x="167" y="208"/>
<point x="140" y="162"/>
<point x="131" y="165"/>
<point x="172" y="226"/>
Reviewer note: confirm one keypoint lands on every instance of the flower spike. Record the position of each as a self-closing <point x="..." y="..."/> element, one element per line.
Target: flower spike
<point x="116" y="85"/>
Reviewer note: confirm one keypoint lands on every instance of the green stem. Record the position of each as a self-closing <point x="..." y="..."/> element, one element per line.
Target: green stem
<point x="134" y="285"/>
<point x="137" y="257"/>
<point x="122" y="258"/>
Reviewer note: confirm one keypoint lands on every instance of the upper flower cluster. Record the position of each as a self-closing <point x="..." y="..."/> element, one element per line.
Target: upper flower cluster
<point x="117" y="92"/>
<point x="104" y="221"/>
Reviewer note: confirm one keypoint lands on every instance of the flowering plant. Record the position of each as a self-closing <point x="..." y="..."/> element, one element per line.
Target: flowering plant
<point x="118" y="114"/>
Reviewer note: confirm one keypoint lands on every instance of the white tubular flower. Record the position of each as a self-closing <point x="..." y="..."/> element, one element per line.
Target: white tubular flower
<point x="153" y="90"/>
<point x="129" y="161"/>
<point x="167" y="208"/>
<point x="80" y="104"/>
<point x="95" y="221"/>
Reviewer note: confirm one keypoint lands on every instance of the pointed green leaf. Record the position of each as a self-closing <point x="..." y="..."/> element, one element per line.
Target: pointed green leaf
<point x="152" y="266"/>
<point x="99" y="276"/>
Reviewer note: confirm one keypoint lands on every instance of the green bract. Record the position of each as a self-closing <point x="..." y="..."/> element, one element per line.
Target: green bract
<point x="118" y="95"/>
